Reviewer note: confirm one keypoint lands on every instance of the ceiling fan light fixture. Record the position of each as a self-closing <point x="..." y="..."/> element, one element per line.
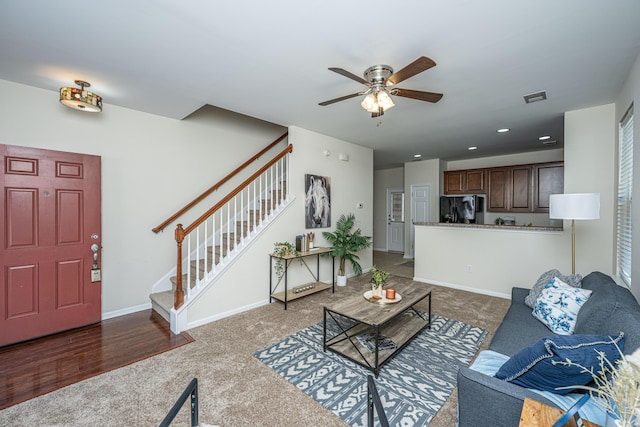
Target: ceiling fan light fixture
<point x="80" y="99"/>
<point x="370" y="103"/>
<point x="384" y="100"/>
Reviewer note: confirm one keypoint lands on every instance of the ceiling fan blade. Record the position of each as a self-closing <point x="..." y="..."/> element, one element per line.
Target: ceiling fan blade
<point x="419" y="65"/>
<point x="342" y="98"/>
<point x="349" y="75"/>
<point x="419" y="95"/>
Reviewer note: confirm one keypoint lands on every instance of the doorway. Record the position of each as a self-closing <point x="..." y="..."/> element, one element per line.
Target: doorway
<point x="420" y="210"/>
<point x="395" y="220"/>
<point x="49" y="242"/>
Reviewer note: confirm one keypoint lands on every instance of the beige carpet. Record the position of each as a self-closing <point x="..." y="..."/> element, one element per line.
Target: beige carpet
<point x="235" y="388"/>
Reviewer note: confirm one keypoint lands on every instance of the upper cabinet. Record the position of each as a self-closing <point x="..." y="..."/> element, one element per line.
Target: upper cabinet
<point x="521" y="188"/>
<point x="498" y="189"/>
<point x="470" y="181"/>
<point x="548" y="179"/>
<point x="520" y="194"/>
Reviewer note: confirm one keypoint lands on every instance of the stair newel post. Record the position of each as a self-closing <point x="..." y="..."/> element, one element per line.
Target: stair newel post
<point x="178" y="299"/>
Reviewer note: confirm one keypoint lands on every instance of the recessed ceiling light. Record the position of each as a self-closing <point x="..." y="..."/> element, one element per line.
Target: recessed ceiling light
<point x="544" y="138"/>
<point x="417" y="155"/>
<point x="503" y="130"/>
<point x="472" y="148"/>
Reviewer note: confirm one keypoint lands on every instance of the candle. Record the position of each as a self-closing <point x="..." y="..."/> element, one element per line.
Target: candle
<point x="391" y="293"/>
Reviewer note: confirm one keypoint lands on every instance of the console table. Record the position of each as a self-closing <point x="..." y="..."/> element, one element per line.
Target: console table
<point x="306" y="289"/>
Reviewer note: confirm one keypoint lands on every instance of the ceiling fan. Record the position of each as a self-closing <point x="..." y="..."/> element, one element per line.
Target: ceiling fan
<point x="380" y="80"/>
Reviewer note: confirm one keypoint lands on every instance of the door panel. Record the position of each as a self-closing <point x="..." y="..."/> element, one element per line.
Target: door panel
<point x="50" y="209"/>
<point x="22" y="291"/>
<point x="21" y="206"/>
<point x="395" y="223"/>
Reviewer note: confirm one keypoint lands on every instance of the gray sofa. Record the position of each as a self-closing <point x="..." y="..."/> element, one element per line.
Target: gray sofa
<point x="485" y="401"/>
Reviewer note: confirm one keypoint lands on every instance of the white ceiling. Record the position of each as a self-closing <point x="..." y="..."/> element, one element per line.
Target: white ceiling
<point x="269" y="60"/>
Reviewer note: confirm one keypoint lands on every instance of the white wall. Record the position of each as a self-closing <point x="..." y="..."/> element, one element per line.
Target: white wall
<point x="246" y="284"/>
<point x="630" y="94"/>
<point x="151" y="166"/>
<point x="589" y="167"/>
<point x="501" y="259"/>
<point x="498" y="258"/>
<point x="541" y="156"/>
<point x="383" y="179"/>
<point x="424" y="172"/>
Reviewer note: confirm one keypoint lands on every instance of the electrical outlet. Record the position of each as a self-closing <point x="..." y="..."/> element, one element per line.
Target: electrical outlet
<point x="469" y="268"/>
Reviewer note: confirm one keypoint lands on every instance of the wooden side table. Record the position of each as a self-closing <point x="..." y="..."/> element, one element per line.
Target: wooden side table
<point x="537" y="414"/>
<point x="289" y="294"/>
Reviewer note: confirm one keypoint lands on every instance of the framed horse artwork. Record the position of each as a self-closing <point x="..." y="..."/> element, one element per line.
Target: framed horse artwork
<point x="317" y="201"/>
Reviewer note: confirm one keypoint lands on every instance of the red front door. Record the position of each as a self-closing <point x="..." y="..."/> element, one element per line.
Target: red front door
<point x="50" y="216"/>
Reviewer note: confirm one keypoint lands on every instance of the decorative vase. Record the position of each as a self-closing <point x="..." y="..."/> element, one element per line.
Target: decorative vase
<point x="376" y="290"/>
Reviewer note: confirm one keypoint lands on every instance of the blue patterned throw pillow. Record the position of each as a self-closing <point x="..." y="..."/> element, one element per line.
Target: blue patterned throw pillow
<point x="558" y="306"/>
<point x="533" y="367"/>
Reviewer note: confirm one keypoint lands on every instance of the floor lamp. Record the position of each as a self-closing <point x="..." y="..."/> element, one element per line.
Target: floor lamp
<point x="574" y="206"/>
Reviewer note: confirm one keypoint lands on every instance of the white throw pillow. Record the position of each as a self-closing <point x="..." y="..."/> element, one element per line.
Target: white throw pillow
<point x="558" y="306"/>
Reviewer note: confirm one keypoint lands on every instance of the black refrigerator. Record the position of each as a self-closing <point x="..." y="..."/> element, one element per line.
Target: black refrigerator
<point x="462" y="209"/>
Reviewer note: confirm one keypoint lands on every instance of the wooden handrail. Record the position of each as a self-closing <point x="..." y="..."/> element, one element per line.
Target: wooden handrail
<point x="181" y="233"/>
<point x="238" y="189"/>
<point x="213" y="188"/>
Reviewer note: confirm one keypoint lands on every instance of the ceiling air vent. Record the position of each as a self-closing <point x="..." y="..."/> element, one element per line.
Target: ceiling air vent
<point x="535" y="97"/>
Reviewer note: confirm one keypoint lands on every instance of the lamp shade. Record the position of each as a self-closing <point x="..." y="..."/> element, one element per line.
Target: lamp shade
<point x="574" y="206"/>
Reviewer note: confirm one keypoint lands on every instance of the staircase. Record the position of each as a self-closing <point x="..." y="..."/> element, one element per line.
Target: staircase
<point x="211" y="244"/>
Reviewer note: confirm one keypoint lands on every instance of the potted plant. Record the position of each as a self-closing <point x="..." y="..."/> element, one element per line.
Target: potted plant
<point x="378" y="280"/>
<point x="344" y="244"/>
<point x="280" y="251"/>
<point x="615" y="387"/>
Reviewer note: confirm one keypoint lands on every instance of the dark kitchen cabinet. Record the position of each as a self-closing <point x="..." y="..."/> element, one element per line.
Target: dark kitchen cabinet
<point x="523" y="188"/>
<point x="519" y="188"/>
<point x="548" y="179"/>
<point x="498" y="189"/>
<point x="470" y="181"/>
<point x="521" y="184"/>
<point x="454" y="182"/>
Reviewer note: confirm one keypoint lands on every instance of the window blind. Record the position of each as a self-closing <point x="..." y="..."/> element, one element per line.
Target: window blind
<point x="625" y="186"/>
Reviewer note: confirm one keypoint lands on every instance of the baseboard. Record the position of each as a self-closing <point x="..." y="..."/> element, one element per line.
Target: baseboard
<point x="219" y="316"/>
<point x="463" y="288"/>
<point x="124" y="311"/>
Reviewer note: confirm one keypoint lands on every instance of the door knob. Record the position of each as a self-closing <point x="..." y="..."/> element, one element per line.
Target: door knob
<point x="94" y="249"/>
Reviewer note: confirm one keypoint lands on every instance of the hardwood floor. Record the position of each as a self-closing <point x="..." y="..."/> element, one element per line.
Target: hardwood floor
<point x="39" y="366"/>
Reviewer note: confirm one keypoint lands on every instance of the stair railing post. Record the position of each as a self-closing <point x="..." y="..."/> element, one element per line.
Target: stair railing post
<point x="178" y="298"/>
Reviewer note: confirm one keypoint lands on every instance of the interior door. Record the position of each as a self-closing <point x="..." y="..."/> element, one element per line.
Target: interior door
<point x="50" y="216"/>
<point x="395" y="220"/>
<point x="420" y="208"/>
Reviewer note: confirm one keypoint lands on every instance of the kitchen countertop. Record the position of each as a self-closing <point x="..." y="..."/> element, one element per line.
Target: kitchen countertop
<point x="489" y="226"/>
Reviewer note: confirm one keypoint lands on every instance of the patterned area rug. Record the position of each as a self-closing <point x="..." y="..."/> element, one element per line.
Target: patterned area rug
<point x="412" y="386"/>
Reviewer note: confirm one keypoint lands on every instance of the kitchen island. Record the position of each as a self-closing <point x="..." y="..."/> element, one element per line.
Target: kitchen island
<point x="491" y="226"/>
<point x="487" y="258"/>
